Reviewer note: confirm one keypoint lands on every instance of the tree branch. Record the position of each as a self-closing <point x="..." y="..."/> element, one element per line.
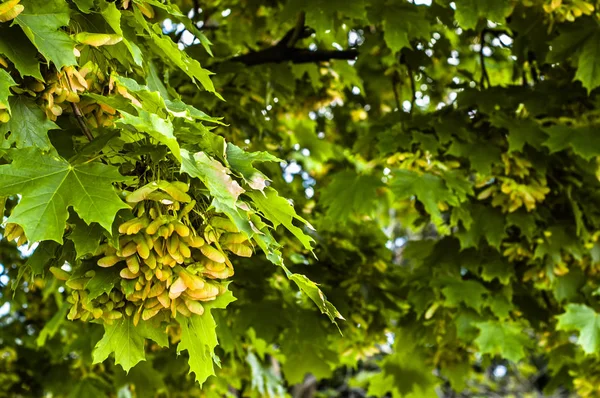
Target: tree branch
<point x="484" y="75"/>
<point x="81" y="122"/>
<point x="296" y="55"/>
<point x="413" y="88"/>
<point x="284" y="50"/>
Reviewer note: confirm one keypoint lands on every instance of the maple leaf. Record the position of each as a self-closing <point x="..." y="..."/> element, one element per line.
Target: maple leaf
<point x="159" y="128"/>
<point x="126" y="341"/>
<point x="586" y="321"/>
<point x="19" y="50"/>
<point x="349" y="192"/>
<point x="588" y="70"/>
<point x="28" y="125"/>
<point x="41" y="21"/>
<point x="502" y="338"/>
<point x="242" y="162"/>
<point x="583" y="140"/>
<point x="312" y="290"/>
<point x="50" y="185"/>
<point x="6" y="82"/>
<point x="468" y="292"/>
<point x="428" y="188"/>
<point x="279" y="211"/>
<point x="212" y="174"/>
<point x="199" y="337"/>
<point x="468" y="12"/>
<point x="401" y="22"/>
<point x="486" y="223"/>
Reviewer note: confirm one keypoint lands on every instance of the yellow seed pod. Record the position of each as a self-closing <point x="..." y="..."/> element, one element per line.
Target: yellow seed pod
<point x="156" y="224"/>
<point x="213" y="253"/>
<point x="12" y="13"/>
<point x="60" y="274"/>
<point x="191" y="281"/>
<point x="181" y="229"/>
<point x="233" y="238"/>
<point x="206" y="293"/>
<point x="195" y="241"/>
<point x="173" y="244"/>
<point x="164" y="299"/>
<point x="150" y="261"/>
<point x="129" y="250"/>
<point x="127" y="274"/>
<point x="194" y="306"/>
<point x="109" y="261"/>
<point x="157" y="289"/>
<point x="133" y="264"/>
<point x="240" y="249"/>
<point x="184" y="250"/>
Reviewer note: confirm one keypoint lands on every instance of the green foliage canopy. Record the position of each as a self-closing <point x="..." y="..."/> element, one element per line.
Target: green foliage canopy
<point x="427" y="176"/>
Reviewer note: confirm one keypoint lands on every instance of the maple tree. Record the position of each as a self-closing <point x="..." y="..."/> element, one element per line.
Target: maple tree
<point x="299" y="198"/>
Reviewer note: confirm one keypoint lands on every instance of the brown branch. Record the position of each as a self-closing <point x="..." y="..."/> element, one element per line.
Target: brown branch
<point x="84" y="128"/>
<point x="296" y="55"/>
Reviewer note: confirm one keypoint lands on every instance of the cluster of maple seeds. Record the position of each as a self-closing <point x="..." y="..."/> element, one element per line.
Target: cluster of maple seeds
<point x="166" y="265"/>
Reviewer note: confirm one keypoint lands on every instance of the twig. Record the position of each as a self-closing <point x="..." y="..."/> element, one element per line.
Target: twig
<point x="412" y="87"/>
<point x="298" y="56"/>
<point x="484" y="74"/>
<point x="395" y="81"/>
<point x="297" y="30"/>
<point x="81" y="122"/>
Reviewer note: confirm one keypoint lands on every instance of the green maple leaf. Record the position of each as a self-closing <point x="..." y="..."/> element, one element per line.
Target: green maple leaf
<point x="199" y="337"/>
<point x="468" y="292"/>
<point x="493" y="267"/>
<point x="487" y="223"/>
<point x="159" y="128"/>
<point x="41" y="20"/>
<point x="19" y="50"/>
<point x="586" y="321"/>
<point x="502" y="338"/>
<point x="428" y="188"/>
<point x="401" y="23"/>
<point x="480" y="154"/>
<point x="214" y="175"/>
<point x="468" y="12"/>
<point x="584" y="140"/>
<point x="52" y="326"/>
<point x="28" y="125"/>
<point x="102" y="282"/>
<point x="280" y="212"/>
<point x="86" y="238"/>
<point x="49" y="185"/>
<point x="520" y="132"/>
<point x="588" y="68"/>
<point x="349" y="193"/>
<point x="570" y="40"/>
<point x="6" y="82"/>
<point x="312" y="290"/>
<point x="242" y="162"/>
<point x="126" y="341"/>
<point x="172" y="54"/>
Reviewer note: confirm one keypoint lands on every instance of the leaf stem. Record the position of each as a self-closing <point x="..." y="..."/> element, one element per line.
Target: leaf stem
<point x="485" y="78"/>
